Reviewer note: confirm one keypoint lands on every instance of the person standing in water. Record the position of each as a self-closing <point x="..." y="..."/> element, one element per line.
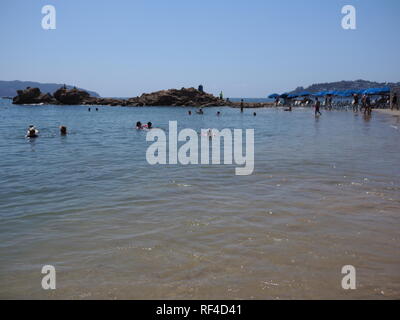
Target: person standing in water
<point x="241" y="105"/>
<point x="317" y="107"/>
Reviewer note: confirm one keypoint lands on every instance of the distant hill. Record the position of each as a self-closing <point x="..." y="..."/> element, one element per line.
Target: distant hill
<point x="9" y="88"/>
<point x="346" y="85"/>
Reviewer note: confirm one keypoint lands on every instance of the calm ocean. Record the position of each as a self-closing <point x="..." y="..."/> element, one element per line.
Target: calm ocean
<point x="325" y="193"/>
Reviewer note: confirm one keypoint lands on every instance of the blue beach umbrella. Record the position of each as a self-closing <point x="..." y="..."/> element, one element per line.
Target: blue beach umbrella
<point x="273" y="96"/>
<point x="291" y="96"/>
<point x="331" y="93"/>
<point x="377" y="91"/>
<point x="348" y="93"/>
<point x="320" y="94"/>
<point x="304" y="94"/>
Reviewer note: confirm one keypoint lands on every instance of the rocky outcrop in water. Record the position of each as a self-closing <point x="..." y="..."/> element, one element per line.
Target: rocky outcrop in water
<point x="182" y="97"/>
<point x="71" y="96"/>
<point x="173" y="97"/>
<point x="33" y="96"/>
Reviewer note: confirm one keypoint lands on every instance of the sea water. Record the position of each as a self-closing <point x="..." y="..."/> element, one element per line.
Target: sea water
<point x="324" y="194"/>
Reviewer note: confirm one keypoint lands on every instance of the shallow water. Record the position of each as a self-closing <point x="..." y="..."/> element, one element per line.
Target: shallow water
<point x="324" y="194"/>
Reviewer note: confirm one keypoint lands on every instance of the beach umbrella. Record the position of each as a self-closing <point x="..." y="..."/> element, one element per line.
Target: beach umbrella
<point x="273" y="96"/>
<point x="320" y="94"/>
<point x="293" y="95"/>
<point x="331" y="93"/>
<point x="284" y="95"/>
<point x="376" y="91"/>
<point x="304" y="94"/>
<point x="348" y="93"/>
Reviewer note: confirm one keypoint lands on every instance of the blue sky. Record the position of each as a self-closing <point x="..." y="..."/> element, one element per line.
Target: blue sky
<point x="245" y="48"/>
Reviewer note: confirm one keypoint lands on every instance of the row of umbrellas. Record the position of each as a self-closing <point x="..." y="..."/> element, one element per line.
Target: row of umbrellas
<point x="346" y="93"/>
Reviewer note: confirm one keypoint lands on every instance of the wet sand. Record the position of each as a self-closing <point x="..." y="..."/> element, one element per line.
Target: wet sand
<point x="389" y="112"/>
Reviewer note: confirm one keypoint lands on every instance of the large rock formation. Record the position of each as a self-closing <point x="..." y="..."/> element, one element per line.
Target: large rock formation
<point x="71" y="97"/>
<point x="33" y="96"/>
<point x="183" y="97"/>
<point x="173" y="97"/>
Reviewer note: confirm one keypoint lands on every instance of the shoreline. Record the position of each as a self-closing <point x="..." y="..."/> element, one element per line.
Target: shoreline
<point x="394" y="113"/>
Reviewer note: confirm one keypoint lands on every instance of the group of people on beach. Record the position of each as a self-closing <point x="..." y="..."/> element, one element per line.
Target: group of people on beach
<point x="365" y="104"/>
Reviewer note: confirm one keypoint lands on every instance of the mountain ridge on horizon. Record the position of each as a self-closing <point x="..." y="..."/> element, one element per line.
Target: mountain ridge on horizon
<point x="345" y="85"/>
<point x="9" y="88"/>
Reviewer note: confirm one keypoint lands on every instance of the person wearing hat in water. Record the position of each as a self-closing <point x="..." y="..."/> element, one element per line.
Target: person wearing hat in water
<point x="32" y="132"/>
<point x="63" y="130"/>
<point x="139" y="125"/>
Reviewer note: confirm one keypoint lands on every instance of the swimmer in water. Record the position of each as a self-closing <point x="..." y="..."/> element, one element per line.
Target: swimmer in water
<point x="97" y="109"/>
<point x="139" y="125"/>
<point x="63" y="130"/>
<point x="190" y="113"/>
<point x="149" y="125"/>
<point x="254" y="114"/>
<point x="32" y="132"/>
<point x="89" y="109"/>
<point x="218" y="113"/>
<point x="200" y="111"/>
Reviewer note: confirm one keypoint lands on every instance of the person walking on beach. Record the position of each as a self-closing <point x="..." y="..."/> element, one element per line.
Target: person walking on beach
<point x="330" y="99"/>
<point x="394" y="102"/>
<point x="363" y="102"/>
<point x="317" y="107"/>
<point x="355" y="102"/>
<point x="221" y="96"/>
<point x="277" y="101"/>
<point x="367" y="106"/>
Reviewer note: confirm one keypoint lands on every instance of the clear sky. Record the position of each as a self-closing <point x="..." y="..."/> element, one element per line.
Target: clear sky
<point x="245" y="48"/>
